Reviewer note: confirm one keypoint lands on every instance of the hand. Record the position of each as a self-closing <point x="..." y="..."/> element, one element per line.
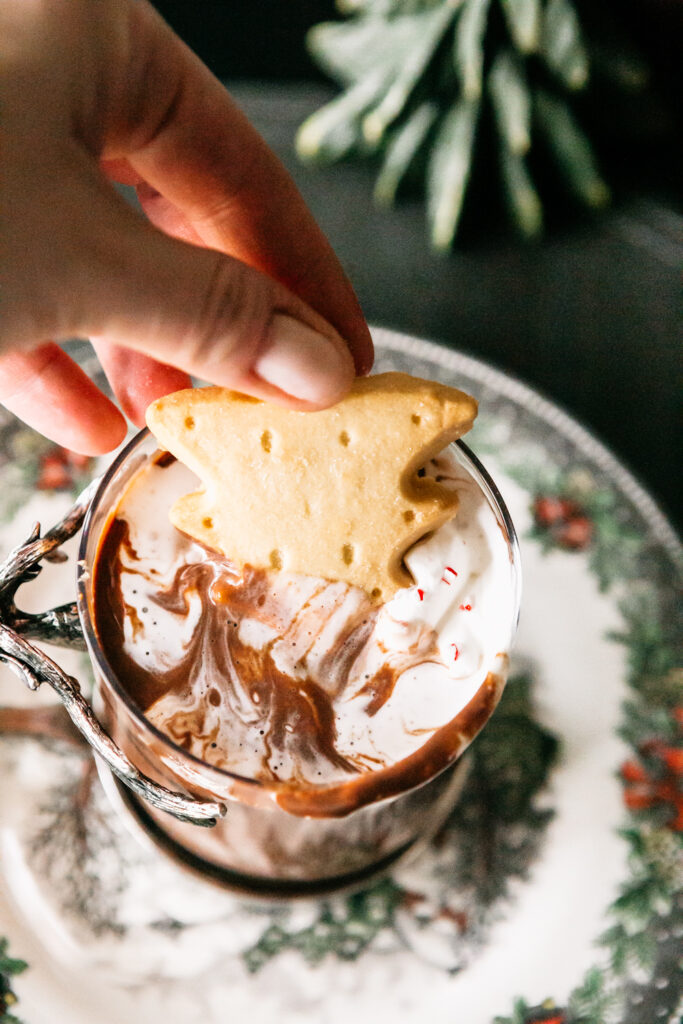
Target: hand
<point x="231" y="281"/>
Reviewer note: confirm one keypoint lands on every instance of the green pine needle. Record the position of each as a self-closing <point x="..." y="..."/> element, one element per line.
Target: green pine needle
<point x="468" y="53"/>
<point x="402" y="149"/>
<point x="522" y="198"/>
<point x="511" y="101"/>
<point x="561" y="44"/>
<point x="571" y="149"/>
<point x="448" y="172"/>
<point x="523" y="18"/>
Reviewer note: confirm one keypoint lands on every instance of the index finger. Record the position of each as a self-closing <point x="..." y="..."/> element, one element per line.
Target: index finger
<point x="184" y="135"/>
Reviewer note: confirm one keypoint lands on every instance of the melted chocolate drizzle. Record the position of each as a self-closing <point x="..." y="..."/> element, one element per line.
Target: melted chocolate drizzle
<point x="293" y="716"/>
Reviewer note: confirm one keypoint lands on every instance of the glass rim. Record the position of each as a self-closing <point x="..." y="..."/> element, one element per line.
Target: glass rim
<point x="96" y="652"/>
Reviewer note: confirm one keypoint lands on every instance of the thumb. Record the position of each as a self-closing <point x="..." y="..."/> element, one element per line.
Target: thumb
<point x="196" y="309"/>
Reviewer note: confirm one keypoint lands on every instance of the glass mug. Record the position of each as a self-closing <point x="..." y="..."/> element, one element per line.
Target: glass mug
<point x="254" y="845"/>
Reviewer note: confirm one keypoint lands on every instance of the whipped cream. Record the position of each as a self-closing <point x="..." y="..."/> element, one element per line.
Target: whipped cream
<point x="291" y="679"/>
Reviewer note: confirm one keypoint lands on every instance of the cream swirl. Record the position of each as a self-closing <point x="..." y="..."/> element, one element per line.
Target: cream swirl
<point x="288" y="678"/>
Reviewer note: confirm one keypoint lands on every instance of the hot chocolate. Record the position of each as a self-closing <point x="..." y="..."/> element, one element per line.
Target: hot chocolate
<point x="305" y="686"/>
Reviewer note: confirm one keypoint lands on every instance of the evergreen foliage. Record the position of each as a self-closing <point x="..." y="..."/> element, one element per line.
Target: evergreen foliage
<point x="426" y="81"/>
<point x="9" y="967"/>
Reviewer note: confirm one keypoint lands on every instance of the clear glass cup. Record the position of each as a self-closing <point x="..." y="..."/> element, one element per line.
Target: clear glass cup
<point x="259" y="848"/>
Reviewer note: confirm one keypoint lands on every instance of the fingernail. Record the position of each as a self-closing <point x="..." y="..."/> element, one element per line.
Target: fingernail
<point x="303" y="363"/>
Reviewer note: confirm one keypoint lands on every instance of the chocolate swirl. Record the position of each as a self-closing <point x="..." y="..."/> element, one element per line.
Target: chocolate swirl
<point x="263" y="684"/>
<point x="219" y="676"/>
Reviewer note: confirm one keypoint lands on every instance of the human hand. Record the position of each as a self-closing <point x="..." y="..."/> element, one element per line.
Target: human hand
<point x="231" y="281"/>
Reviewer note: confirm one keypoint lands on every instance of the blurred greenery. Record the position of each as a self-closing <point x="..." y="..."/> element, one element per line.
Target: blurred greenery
<point x="428" y="84"/>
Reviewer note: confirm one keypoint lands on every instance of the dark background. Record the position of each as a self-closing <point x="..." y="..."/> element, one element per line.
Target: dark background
<point x="592" y="315"/>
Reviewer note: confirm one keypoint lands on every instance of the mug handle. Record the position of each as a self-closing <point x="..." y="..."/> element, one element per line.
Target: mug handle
<point x="61" y="626"/>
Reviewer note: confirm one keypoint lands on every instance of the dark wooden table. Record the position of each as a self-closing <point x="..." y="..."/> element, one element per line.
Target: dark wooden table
<point x="591" y="317"/>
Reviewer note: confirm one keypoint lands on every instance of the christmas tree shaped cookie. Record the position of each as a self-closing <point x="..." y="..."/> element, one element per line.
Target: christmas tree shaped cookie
<point x="333" y="493"/>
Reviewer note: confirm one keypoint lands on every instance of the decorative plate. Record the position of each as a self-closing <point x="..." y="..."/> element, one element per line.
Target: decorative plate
<point x="553" y="892"/>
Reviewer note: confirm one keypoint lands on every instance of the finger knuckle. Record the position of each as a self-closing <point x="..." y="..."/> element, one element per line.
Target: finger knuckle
<point x="231" y="314"/>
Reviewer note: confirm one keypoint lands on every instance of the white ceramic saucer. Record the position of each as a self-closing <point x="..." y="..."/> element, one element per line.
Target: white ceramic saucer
<point x="551" y="894"/>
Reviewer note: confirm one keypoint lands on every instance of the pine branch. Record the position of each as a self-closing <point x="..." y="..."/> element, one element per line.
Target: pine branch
<point x="420" y="77"/>
<point x="9" y="967"/>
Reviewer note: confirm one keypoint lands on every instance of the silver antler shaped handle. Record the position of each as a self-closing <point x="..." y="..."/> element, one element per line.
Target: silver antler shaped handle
<point x="62" y="626"/>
